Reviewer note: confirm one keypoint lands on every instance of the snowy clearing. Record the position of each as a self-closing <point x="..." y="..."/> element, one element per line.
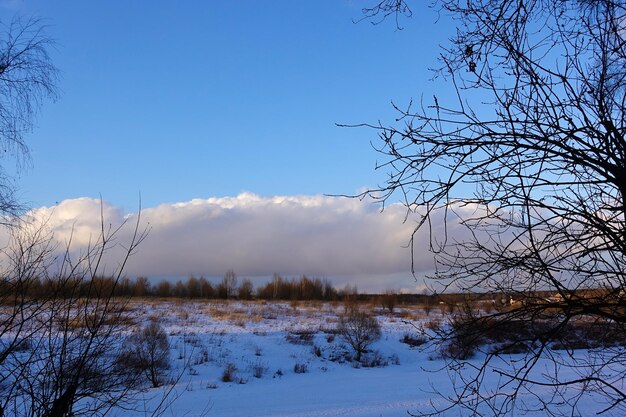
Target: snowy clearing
<point x="285" y="360"/>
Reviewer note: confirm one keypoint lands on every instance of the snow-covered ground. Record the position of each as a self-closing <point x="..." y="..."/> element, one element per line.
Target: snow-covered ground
<point x="266" y="342"/>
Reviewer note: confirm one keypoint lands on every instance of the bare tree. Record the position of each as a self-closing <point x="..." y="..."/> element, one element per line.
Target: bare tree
<point x="27" y="77"/>
<point x="66" y="360"/>
<point x="21" y="305"/>
<point x="228" y="287"/>
<point x="245" y="290"/>
<point x="359" y="329"/>
<point x="388" y="300"/>
<point x="60" y="324"/>
<point x="531" y="161"/>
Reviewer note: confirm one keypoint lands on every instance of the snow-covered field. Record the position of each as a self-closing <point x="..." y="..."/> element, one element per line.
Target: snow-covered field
<point x="288" y="362"/>
<point x="266" y="342"/>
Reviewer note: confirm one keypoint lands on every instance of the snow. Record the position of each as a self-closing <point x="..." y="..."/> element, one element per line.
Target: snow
<point x="208" y="336"/>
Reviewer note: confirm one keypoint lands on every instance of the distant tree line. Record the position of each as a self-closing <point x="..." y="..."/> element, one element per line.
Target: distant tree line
<point x="230" y="287"/>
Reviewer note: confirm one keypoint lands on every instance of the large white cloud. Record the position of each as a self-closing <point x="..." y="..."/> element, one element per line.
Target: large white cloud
<point x="343" y="238"/>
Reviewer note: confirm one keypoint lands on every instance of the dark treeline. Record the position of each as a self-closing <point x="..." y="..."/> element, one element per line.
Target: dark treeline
<point x="230" y="287"/>
<point x="298" y="289"/>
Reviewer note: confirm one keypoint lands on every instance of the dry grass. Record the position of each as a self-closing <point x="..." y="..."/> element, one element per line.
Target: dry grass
<point x="237" y="313"/>
<point x="81" y="320"/>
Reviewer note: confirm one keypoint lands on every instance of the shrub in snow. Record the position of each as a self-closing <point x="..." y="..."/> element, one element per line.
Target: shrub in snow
<point x="359" y="329"/>
<point x="300" y="336"/>
<point x="373" y="360"/>
<point x="201" y="357"/>
<point x="469" y="332"/>
<point x="147" y="352"/>
<point x="229" y="373"/>
<point x="434" y="325"/>
<point x="300" y="368"/>
<point x="258" y="369"/>
<point x="413" y="340"/>
<point x="317" y="351"/>
<point x="339" y="354"/>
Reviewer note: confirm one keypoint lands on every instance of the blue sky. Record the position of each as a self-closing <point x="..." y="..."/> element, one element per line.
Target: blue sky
<point x="181" y="100"/>
<point x="205" y="99"/>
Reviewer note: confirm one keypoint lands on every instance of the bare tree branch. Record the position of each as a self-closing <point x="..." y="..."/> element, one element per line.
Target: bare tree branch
<point x="531" y="161"/>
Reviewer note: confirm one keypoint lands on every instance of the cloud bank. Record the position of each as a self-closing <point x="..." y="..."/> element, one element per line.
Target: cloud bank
<point x="257" y="236"/>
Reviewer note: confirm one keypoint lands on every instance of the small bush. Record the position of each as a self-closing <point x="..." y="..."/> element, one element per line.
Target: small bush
<point x="467" y="335"/>
<point x="300" y="337"/>
<point x="201" y="357"/>
<point x="434" y="325"/>
<point x="373" y="360"/>
<point x="258" y="370"/>
<point x="300" y="368"/>
<point x="317" y="351"/>
<point x="456" y="350"/>
<point x="413" y="340"/>
<point x="147" y="352"/>
<point x="229" y="373"/>
<point x="339" y="355"/>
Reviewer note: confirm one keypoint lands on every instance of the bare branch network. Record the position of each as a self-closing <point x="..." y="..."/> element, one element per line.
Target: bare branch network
<point x="531" y="160"/>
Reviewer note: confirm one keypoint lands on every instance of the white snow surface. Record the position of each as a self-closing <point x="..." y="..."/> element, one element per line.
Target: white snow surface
<point x="207" y="336"/>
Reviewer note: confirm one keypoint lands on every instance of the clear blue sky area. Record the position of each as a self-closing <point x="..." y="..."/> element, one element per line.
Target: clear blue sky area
<point x="191" y="99"/>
